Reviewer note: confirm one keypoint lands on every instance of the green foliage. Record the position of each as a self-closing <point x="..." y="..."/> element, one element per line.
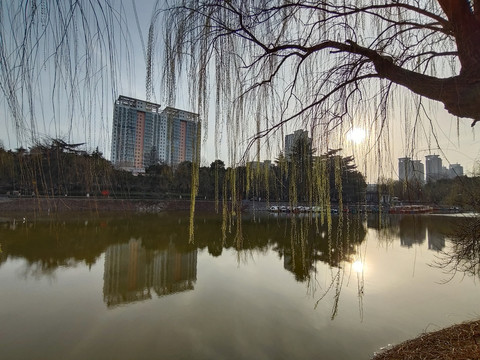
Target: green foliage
<point x="59" y="169"/>
<point x="303" y="177"/>
<point x="413" y="191"/>
<point x="54" y="169"/>
<point x="343" y="171"/>
<point x="462" y="192"/>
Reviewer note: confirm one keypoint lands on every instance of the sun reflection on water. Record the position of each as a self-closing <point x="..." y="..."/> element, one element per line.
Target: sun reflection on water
<point x="358" y="266"/>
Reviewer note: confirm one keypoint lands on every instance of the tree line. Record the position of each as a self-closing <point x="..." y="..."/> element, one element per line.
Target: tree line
<point x="461" y="191"/>
<point x="62" y="169"/>
<point x="59" y="169"/>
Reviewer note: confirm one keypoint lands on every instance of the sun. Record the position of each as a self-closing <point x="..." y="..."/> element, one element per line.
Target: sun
<point x="356" y="135"/>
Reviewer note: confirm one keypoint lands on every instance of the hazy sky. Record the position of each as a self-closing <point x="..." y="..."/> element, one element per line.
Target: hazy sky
<point x="90" y="119"/>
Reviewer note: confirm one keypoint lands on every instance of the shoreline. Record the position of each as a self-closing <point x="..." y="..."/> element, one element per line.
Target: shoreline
<point x="48" y="206"/>
<point x="56" y="205"/>
<point x="461" y="341"/>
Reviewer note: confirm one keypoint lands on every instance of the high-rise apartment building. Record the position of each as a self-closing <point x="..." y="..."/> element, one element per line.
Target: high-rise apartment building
<point x="143" y="135"/>
<point x="180" y="137"/>
<point x="410" y="170"/>
<point x="455" y="170"/>
<point x="403" y="168"/>
<point x="292" y="139"/>
<point x="434" y="168"/>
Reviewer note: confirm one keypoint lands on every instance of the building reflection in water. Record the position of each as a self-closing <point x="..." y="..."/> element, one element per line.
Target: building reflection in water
<point x="436" y="240"/>
<point x="132" y="273"/>
<point x="413" y="230"/>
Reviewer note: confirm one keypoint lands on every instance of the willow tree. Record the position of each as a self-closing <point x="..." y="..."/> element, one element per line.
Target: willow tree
<point x="320" y="65"/>
<point x="323" y="63"/>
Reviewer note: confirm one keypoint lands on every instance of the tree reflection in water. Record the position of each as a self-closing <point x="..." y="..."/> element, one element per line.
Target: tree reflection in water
<point x="148" y="242"/>
<point x="463" y="254"/>
<point x="460" y="232"/>
<point x="304" y="244"/>
<point x="161" y="243"/>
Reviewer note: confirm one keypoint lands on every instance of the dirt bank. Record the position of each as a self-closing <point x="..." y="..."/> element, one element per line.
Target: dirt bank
<point x="456" y="342"/>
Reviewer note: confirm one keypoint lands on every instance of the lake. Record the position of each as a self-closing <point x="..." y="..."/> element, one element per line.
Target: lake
<point x="133" y="287"/>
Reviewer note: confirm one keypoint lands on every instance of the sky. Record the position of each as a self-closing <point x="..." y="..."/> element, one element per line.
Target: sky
<point x="90" y="119"/>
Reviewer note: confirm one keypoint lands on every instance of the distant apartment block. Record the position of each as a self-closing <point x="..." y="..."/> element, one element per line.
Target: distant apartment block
<point x="181" y="135"/>
<point x="455" y="170"/>
<point x="436" y="171"/>
<point x="292" y="139"/>
<point x="434" y="168"/>
<point x="259" y="165"/>
<point x="411" y="170"/>
<point x="143" y="135"/>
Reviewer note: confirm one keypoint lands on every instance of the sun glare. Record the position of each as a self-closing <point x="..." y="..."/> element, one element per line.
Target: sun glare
<point x="357" y="266"/>
<point x="356" y="135"/>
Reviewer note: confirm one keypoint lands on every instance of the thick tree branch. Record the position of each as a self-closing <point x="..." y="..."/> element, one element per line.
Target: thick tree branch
<point x="412" y="40"/>
<point x="466" y="29"/>
<point x="457" y="93"/>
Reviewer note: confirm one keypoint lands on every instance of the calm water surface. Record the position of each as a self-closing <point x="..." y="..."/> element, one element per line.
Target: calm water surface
<point x="134" y="288"/>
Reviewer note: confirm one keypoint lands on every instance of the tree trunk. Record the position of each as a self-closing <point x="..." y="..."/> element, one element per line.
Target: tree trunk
<point x="465" y="23"/>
